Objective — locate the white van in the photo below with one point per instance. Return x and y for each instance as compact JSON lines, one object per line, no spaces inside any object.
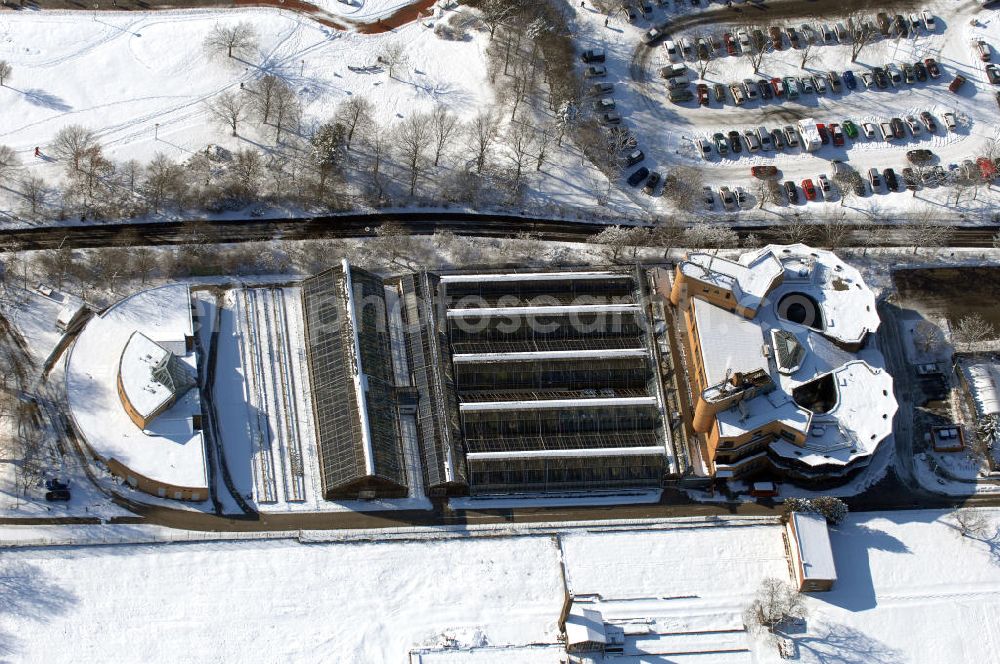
{"x":671,"y":48}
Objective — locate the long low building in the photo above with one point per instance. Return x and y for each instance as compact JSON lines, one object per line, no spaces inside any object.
{"x":131,"y":383}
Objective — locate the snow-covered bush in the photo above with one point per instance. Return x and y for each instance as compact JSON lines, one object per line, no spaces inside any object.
{"x":834,"y":510}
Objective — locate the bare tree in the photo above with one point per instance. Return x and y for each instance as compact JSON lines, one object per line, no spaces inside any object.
{"x":247,"y":171}
{"x":34,"y":190}
{"x":482,"y":133}
{"x":237,"y":38}
{"x":615,"y":241}
{"x":683,"y":186}
{"x":443,"y":123}
{"x":356,"y":115}
{"x":776,"y":602}
{"x":519,"y":143}
{"x":9,"y":161}
{"x":927,"y":337}
{"x":378,"y":147}
{"x":710,"y":236}
{"x":326,"y":154}
{"x":5,"y":71}
{"x":163,"y":181}
{"x":129,"y":172}
{"x":495,"y":13}
{"x":755,"y":56}
{"x":834,"y":232}
{"x":860,"y":33}
{"x":543,"y":140}
{"x":971,"y":522}
{"x":764,"y":193}
{"x":286,"y":110}
{"x":395,"y":57}
{"x":847,"y":179}
{"x":230,"y":108}
{"x":972,"y":330}
{"x":925,"y":231}
{"x":142,"y":262}
{"x":807,"y":55}
{"x":414,"y":136}
{"x":263,"y":95}
{"x":72,"y":142}
{"x":392,"y":244}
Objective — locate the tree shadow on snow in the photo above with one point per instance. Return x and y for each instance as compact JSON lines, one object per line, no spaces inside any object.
{"x":44,"y":99}
{"x":840,"y":644}
{"x":26,"y":594}
{"x":855,"y":589}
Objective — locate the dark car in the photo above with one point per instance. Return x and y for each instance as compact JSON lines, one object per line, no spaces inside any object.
{"x":735,"y":143}
{"x":55,"y":485}
{"x":702,"y":89}
{"x":602,"y":88}
{"x":891,"y":182}
{"x":957,"y":83}
{"x":910,"y":179}
{"x":765,"y":89}
{"x":791,"y":191}
{"x":836,"y":134}
{"x":593,"y":55}
{"x":720,"y":143}
{"x":720,"y":92}
{"x":898,"y":128}
{"x":637,"y":177}
{"x":881,"y":78}
{"x":824,"y":136}
{"x":778,"y":138}
{"x":595,"y":71}
{"x":634,"y":157}
{"x":933,"y":70}
{"x":835,"y":83}
{"x":928,"y":121}
{"x":919,"y":156}
{"x":993,"y":73}
{"x":849,"y":80}
{"x":651,"y":182}
{"x":921,"y":71}
{"x":57,"y":495}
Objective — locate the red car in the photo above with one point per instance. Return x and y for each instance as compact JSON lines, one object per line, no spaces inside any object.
{"x":824,"y":136}
{"x":932,"y":68}
{"x":957,"y":83}
{"x":727,"y":39}
{"x":836,"y":134}
{"x":703,"y":94}
{"x":764,"y":172}
{"x":779,"y":89}
{"x":809,"y":189}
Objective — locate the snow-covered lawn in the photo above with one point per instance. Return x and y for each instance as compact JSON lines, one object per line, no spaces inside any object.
{"x":909,"y":589}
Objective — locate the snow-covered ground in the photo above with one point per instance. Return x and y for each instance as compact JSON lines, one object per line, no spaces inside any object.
{"x":909,"y":589}
{"x":667,"y":131}
{"x":363,"y":11}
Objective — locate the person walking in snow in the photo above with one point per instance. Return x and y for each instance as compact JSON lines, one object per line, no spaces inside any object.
{"x":37,"y":152}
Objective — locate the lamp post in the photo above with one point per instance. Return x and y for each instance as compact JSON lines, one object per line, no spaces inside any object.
{"x":156,"y":131}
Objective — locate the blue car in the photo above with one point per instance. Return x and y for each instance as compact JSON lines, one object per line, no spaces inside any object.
{"x":849,"y":80}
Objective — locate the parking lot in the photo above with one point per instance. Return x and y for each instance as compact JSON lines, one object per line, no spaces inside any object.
{"x":808,"y":110}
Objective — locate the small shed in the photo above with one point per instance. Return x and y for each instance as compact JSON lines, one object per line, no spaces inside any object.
{"x":585,"y":630}
{"x":812,"y":555}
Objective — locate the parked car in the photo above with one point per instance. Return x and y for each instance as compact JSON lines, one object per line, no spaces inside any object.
{"x":809,"y":35}
{"x":708,"y":197}
{"x":702,"y":91}
{"x":764,"y":88}
{"x":993,"y":73}
{"x":742,"y":198}
{"x":753,"y":143}
{"x":604,"y":104}
{"x":791,"y":136}
{"x":778,"y":139}
{"x":677,"y":82}
{"x":809,"y":189}
{"x":949,"y":121}
{"x":764,"y":136}
{"x":778,"y":86}
{"x":911,"y":122}
{"x":721,"y":146}
{"x":727,"y":198}
{"x":870,"y":129}
{"x":593,"y":55}
{"x":737,"y":92}
{"x":891,"y":182}
{"x":637,"y":177}
{"x":774,"y":32}
{"x":595,"y":71}
{"x":895,"y":76}
{"x":868,"y":80}
{"x":651,"y":182}
{"x":929,"y":22}
{"x":764,"y":172}
{"x":881,"y":78}
{"x":750,"y":89}
{"x":719,"y":92}
{"x":836,"y":135}
{"x":909,"y":73}
{"x":819,"y":82}
{"x":835,"y":84}
{"x":887,"y":133}
{"x":675,"y":69}
{"x":687,"y":48}
{"x":982,"y":50}
{"x":654,"y":34}
{"x":919,"y":156}
{"x":957,"y":83}
{"x":791,"y":192}
{"x":735,"y":143}
{"x":729,"y":43}
{"x":850,"y":128}
{"x":824,"y":185}
{"x":634,"y":157}
{"x":610,"y":118}
{"x":57,"y":495}
{"x":998,"y":99}
{"x":680,"y":94}
{"x":702,"y":49}
{"x":672,"y":51}
{"x":875,"y":179}
{"x":602,"y":88}
{"x":743,"y":37}
{"x":842,"y":34}
{"x":791,"y":87}
{"x":793,"y":37}
{"x":933,"y":70}
{"x":920,"y":71}
{"x":898,"y":128}
{"x":704,"y":147}
{"x":849,"y":80}
{"x":910,"y":180}
{"x":829,"y":36}
{"x":824,"y":135}
{"x":806,"y":85}
{"x":928,"y":121}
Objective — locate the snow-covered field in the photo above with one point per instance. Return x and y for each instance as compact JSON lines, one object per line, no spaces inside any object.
{"x":909,"y":589}
{"x":667,"y":131}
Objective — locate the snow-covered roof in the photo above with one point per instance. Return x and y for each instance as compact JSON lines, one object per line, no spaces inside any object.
{"x":169,"y":450}
{"x":812,"y":546}
{"x":865,"y":404}
{"x":140,"y":355}
{"x":358,"y":372}
{"x":555,"y":309}
{"x":584,"y":625}
{"x":534,"y":276}
{"x":749,"y":280}
{"x":542,"y":404}
{"x":649,"y":450}
{"x":983,"y":381}
{"x":535,"y":356}
{"x":729,"y":342}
